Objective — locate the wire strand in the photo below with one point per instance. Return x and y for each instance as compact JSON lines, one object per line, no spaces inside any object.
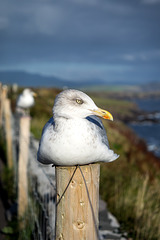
{"x":67,"y":186}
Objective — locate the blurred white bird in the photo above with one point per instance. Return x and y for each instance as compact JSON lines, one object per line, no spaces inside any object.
{"x":75,"y":135}
{"x":26,"y":99}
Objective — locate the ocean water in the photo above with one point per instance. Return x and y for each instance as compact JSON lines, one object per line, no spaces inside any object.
{"x":149,"y":104}
{"x":149,"y":131}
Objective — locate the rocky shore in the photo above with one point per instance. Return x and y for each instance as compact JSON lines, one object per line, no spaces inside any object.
{"x":140,"y":117}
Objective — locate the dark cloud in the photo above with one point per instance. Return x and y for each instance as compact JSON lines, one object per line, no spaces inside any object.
{"x":82,"y":38}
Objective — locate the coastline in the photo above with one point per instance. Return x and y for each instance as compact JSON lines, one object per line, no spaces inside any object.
{"x":146,"y":123}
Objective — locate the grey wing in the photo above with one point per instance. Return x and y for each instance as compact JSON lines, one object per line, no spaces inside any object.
{"x":18,"y":100}
{"x":49,"y":126}
{"x":49,"y":123}
{"x":99,"y":127}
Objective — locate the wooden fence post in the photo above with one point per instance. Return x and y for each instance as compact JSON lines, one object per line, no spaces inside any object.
{"x":22,"y":165}
{"x":8,"y":129}
{"x":3,"y":96}
{"x":74,"y":218}
{"x":0,"y":104}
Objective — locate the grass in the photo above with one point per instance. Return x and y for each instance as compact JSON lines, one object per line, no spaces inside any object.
{"x":111,"y":88}
{"x":134,"y":200}
{"x":118,"y":108}
{"x":130,"y":185}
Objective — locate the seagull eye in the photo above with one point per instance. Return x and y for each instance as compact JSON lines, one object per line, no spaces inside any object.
{"x":79,"y":101}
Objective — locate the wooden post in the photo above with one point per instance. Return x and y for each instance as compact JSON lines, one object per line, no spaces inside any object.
{"x":3,"y":96}
{"x":8,"y":129}
{"x":22,"y":165}
{"x":0,"y":104}
{"x":74,"y":218}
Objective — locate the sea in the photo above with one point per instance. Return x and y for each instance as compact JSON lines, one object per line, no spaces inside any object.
{"x":148,"y":130}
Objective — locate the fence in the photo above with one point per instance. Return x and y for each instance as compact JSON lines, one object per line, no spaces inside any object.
{"x":36,"y":184}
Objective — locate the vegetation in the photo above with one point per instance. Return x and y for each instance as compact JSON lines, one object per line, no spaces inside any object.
{"x":8,"y":191}
{"x":2,"y":146}
{"x":130,"y":185}
{"x":120,"y":109}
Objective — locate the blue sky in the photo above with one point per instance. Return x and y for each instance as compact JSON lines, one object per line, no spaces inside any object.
{"x":111,"y":40}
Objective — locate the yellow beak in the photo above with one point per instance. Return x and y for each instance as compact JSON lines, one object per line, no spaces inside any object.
{"x":103,"y":113}
{"x":34,"y":94}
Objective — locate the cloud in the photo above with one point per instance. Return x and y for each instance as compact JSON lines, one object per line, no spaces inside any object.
{"x":32,"y":18}
{"x":150,"y":55}
{"x":35,"y":35}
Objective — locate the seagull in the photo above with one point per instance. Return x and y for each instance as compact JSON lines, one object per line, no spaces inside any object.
{"x":26,"y":99}
{"x":75,"y":134}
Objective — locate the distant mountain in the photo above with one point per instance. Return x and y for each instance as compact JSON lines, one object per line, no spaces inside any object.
{"x":26,"y":79}
{"x":37,"y":80}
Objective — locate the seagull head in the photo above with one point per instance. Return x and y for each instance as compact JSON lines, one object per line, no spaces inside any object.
{"x":72,"y":103}
{"x":28,"y":91}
